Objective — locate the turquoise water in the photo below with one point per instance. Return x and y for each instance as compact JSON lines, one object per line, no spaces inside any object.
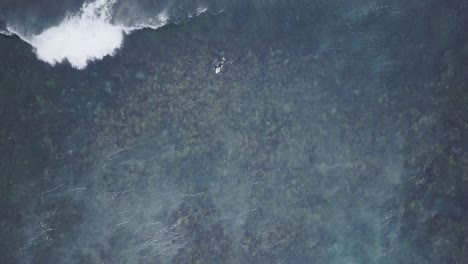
{"x":336,"y":132}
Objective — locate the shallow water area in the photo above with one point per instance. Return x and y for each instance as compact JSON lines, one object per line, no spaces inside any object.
{"x":335,"y":132}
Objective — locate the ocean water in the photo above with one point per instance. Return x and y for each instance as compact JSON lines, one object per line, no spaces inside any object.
{"x":334,"y":131}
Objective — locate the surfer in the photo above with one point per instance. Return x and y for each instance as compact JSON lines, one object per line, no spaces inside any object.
{"x":219,"y":65}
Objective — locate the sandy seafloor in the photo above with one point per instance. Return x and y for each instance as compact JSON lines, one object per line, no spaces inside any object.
{"x":337,"y":132}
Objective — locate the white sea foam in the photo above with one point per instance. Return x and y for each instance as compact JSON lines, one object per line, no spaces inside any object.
{"x":81,"y":37}
{"x":154,"y":23}
{"x":88,"y":35}
{"x":200,"y":10}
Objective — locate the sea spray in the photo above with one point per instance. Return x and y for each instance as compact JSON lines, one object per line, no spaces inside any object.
{"x":89,"y":34}
{"x":80,"y":38}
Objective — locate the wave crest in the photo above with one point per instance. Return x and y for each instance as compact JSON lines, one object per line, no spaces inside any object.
{"x":88,"y":35}
{"x":81,"y":37}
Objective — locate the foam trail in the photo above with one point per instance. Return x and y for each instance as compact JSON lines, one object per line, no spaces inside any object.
{"x":5,"y":32}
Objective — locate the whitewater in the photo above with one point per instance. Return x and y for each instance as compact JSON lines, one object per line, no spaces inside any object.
{"x":87,"y":35}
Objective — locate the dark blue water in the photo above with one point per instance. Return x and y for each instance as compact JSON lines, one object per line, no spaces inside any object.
{"x":335,"y":132}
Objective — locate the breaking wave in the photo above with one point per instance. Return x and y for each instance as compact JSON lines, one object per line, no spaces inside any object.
{"x":93,"y":32}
